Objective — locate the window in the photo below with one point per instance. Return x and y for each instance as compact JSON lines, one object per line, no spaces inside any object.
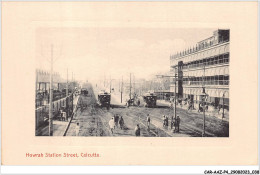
{"x":216,"y":60}
{"x":226,"y":80}
{"x":221,"y":79}
{"x":204,"y":61}
{"x":200,"y":80}
{"x":197,"y":63}
{"x":208,"y":61}
{"x":216,"y":82}
{"x":197,"y":80}
{"x":220,"y":60}
{"x":200,"y":63}
{"x":226,"y":58}
{"x":211,"y":60}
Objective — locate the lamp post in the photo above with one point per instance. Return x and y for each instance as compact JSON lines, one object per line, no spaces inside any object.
{"x":51,"y":96}
{"x":223,"y":114}
{"x":122,"y":90}
{"x":175,"y":97}
{"x":110,"y":84}
{"x":204,"y":98}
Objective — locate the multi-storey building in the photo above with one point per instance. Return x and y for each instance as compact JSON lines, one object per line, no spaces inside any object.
{"x":204,"y":66}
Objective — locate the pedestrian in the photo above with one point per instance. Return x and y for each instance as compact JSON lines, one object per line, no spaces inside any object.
{"x":172,"y":122}
{"x":128,"y":103}
{"x":64,"y":115}
{"x":121,"y":122}
{"x":137,"y":130}
{"x":116,"y":117}
{"x":172,"y":105}
{"x":148,"y":119}
{"x":138,"y":102}
{"x":178,"y":120}
{"x":112,"y":124}
{"x":77,"y":129}
{"x":60,"y":113}
{"x":166,"y":121}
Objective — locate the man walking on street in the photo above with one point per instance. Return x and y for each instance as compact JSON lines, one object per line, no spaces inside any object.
{"x":112,"y":124}
{"x":121,"y":122}
{"x":166,"y":121}
{"x":178,"y":120}
{"x":137,"y":130}
{"x":148,"y":119}
{"x":77,"y":129}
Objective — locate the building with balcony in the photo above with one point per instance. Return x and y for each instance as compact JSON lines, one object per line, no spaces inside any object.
{"x":204,"y":65}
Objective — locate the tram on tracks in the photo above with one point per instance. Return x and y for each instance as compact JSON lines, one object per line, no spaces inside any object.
{"x":104,"y":99}
{"x":150,"y":99}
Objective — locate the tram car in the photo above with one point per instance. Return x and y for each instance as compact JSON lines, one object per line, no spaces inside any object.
{"x":104,"y":99}
{"x":84,"y":92}
{"x":150,"y":100}
{"x":64,"y":91}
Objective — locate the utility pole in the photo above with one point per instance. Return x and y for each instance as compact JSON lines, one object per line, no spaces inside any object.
{"x":119,"y":85}
{"x":122,"y":90}
{"x":67,"y":85}
{"x":175,"y":97}
{"x":51,"y":92}
{"x":134,"y":83}
{"x":67,"y":94}
{"x":203,"y":101}
{"x":223,"y":106}
{"x":104,"y":80}
{"x":36,"y":87}
{"x":110,"y":84}
{"x":130,"y":85}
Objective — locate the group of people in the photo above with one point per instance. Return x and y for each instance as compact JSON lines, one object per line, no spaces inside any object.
{"x":201,"y":106}
{"x":115,"y":121}
{"x":63,"y":114}
{"x":165,"y":121}
{"x":174,"y":122}
{"x":133,"y":101}
{"x":118,"y":121}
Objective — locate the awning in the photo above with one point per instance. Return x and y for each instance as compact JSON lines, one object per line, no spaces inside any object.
{"x":191,"y":73}
{"x":209,"y":72}
{"x":223,"y":71}
{"x":186,"y":73}
{"x":225,"y":92}
{"x":226,"y":48}
{"x":206,"y":54}
{"x":221,"y":49}
{"x":210,"y":53}
{"x":215,"y":51}
{"x":194,"y":57}
{"x":226,"y":71}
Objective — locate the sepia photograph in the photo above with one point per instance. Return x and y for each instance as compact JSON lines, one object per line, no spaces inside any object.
{"x":129,"y":84}
{"x":132,"y":82}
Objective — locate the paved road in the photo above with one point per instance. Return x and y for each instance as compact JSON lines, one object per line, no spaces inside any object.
{"x":94,"y":122}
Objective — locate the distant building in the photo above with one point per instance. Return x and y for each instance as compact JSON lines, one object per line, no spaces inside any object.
{"x":204,"y":65}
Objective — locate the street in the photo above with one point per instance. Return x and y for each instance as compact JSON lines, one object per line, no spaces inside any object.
{"x":93,"y":121}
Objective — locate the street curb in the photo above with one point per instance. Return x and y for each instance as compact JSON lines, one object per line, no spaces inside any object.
{"x":70,"y":120}
{"x":68,"y":125}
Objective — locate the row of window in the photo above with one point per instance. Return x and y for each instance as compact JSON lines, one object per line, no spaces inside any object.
{"x":207,"y":80}
{"x":220,"y":59}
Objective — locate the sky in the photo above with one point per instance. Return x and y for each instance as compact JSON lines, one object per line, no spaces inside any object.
{"x":92,"y":53}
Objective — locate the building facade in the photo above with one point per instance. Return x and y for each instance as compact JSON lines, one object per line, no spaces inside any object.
{"x":205,"y":65}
